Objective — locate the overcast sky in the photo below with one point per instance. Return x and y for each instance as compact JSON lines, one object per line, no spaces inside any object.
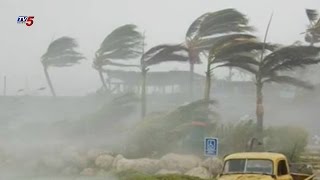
{"x":89,"y":21}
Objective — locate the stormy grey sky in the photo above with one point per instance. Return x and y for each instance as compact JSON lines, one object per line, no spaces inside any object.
{"x":89,"y":21}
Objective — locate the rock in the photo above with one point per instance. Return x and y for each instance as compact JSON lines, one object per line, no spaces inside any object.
{"x":104,"y":161}
{"x":164,"y":172}
{"x":94,"y":153}
{"x":178,"y":162}
{"x":115,"y":161}
{"x":144,"y":165}
{"x":88,"y":172}
{"x":215,"y":163}
{"x":199,"y":172}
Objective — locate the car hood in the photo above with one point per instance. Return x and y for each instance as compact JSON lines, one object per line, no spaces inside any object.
{"x":245,"y":177}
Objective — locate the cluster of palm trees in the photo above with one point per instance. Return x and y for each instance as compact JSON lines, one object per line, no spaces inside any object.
{"x":224,"y":38}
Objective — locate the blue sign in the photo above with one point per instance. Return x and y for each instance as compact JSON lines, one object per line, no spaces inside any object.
{"x":211,"y":146}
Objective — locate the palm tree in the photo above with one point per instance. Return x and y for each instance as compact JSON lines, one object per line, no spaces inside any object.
{"x":219,"y":43}
{"x":200,"y":35}
{"x":313,"y":32}
{"x":60,"y":53}
{"x":157,"y":55}
{"x":273,"y":65}
{"x":124,"y":43}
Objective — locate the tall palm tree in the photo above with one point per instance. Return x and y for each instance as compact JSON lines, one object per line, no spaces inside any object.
{"x":124,"y":43}
{"x":200,"y":34}
{"x":219,"y":44}
{"x":60,"y":53}
{"x":157,"y":55}
{"x":274,"y":65}
{"x":313,"y":31}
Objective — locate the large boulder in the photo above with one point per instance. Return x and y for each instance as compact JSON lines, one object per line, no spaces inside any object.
{"x":104,"y":161}
{"x":178,"y":162}
{"x":199,"y":172}
{"x":165,"y":172}
{"x":115,"y":161}
{"x":92,"y":154}
{"x":214,"y":165}
{"x":144,"y":165}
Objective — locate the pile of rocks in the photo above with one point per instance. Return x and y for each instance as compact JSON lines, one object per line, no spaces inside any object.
{"x":101,"y":163}
{"x":168,"y":164}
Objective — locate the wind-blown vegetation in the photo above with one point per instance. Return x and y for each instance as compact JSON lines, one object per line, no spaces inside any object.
{"x":60,"y":53}
{"x":272,"y":67}
{"x":312,"y":35}
{"x":224,"y":37}
{"x":124,"y":43}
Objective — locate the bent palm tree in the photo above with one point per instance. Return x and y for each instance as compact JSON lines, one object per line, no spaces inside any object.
{"x":272,"y":66}
{"x":201,"y":33}
{"x":124,"y":43}
{"x":60,"y":53}
{"x":313,"y":32}
{"x":157,"y":55}
{"x":219,"y":45}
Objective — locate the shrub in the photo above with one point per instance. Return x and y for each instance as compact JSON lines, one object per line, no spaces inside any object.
{"x":166,"y":132}
{"x":288,"y":140}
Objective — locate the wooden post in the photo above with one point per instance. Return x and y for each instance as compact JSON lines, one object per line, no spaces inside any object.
{"x":4,"y":86}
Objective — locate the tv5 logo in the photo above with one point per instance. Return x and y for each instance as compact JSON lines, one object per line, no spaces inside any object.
{"x":28,"y":20}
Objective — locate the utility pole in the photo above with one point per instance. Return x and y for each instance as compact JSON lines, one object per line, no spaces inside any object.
{"x":4,"y":86}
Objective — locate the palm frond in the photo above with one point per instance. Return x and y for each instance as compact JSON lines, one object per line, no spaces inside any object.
{"x":224,"y":21}
{"x":312,"y":14}
{"x":243,"y":58}
{"x":60,"y":45}
{"x":165,"y":53}
{"x":290,"y":80}
{"x":61,"y":52}
{"x":209,"y":43}
{"x":124,"y":42}
{"x":247,"y":67}
{"x":290,"y":57}
{"x":195,"y":26}
{"x":63,"y":60}
{"x":243,"y":45}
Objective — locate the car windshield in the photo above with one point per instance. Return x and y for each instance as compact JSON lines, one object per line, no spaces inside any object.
{"x":258,"y":166}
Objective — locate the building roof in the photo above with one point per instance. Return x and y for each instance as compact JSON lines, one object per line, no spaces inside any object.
{"x":154,"y":78}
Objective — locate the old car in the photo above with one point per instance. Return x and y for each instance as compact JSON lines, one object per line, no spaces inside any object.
{"x":259,"y":165}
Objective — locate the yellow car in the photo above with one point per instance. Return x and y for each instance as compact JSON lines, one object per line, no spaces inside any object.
{"x":259,"y":166}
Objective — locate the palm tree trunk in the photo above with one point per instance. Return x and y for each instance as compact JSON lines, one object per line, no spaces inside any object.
{"x":49,"y":81}
{"x":259,"y":109}
{"x":102,"y":79}
{"x":191,"y":80}
{"x":143,"y":94}
{"x":208,"y":84}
